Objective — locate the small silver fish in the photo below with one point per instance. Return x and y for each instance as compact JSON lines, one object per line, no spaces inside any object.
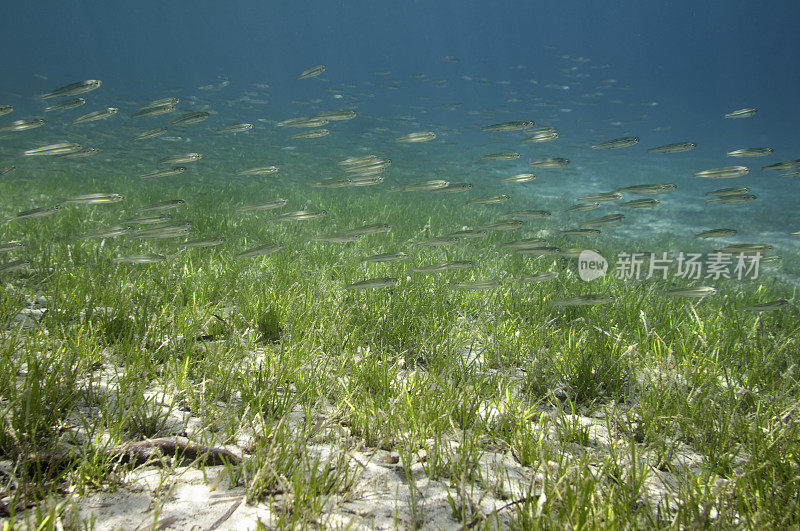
{"x":519,"y":178}
{"x":139,"y":259}
{"x":516,"y":125}
{"x":366,"y":181}
{"x":160,"y":103}
{"x":7,"y":247}
{"x":150,"y":133}
{"x":438,"y":242}
{"x":263,"y":205}
{"x":183,"y":158}
{"x":502,"y":225}
{"x":163,"y":205}
{"x":313,"y":133}
{"x":334,"y":182}
{"x":344,"y":114}
{"x":424,"y":136}
{"x":235,"y":128}
{"x":732,"y":199}
{"x":156,"y":110}
{"x":61,"y":148}
{"x":477,"y":285}
{"x":301,"y":215}
{"x":175,"y":170}
{"x":374,"y":283}
{"x":65,"y":105}
{"x":314,"y":71}
{"x":677,"y":147}
{"x":81,"y":153}
{"x":602,"y":196}
{"x":617,"y":143}
{"x":741,"y":113}
{"x":190,"y":118}
{"x":726,"y":172}
{"x":604,"y":221}
{"x":641,"y":203}
{"x":538,"y":250}
{"x":767,"y":306}
{"x":786,"y":165}
{"x":648,"y":189}
{"x":94,"y":199}
{"x":302,"y":121}
{"x":96,"y":115}
{"x":751,"y":152}
{"x":147,"y":220}
{"x":736,"y":190}
{"x":375,"y":228}
{"x":550,"y":162}
{"x":540,"y":277}
{"x":580,"y":232}
{"x":545,"y":136}
{"x":110,"y":232}
{"x":174,"y":230}
{"x":37,"y":212}
{"x":425,"y":186}
{"x":386,"y":257}
{"x":264,"y":170}
{"x":16,"y":265}
{"x":506,"y":155}
{"x":695,"y":293}
{"x":716,"y":233}
{"x":454,"y":188}
{"x":490,"y":200}
{"x":524,"y":244}
{"x":74,"y":89}
{"x":22,"y":125}
{"x":583,"y":300}
{"x":201,"y":244}
{"x":584,"y":207}
{"x":530,"y":214}
{"x":746,"y":248}
{"x":444,"y":266}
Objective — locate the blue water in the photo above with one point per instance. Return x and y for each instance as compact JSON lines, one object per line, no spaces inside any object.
{"x":681,"y":53}
{"x":663,"y":71}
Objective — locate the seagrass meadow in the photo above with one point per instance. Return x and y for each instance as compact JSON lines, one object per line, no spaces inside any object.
{"x":417,"y":289}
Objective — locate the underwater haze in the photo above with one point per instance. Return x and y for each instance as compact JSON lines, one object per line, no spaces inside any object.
{"x":580,"y":73}
{"x":393,"y":264}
